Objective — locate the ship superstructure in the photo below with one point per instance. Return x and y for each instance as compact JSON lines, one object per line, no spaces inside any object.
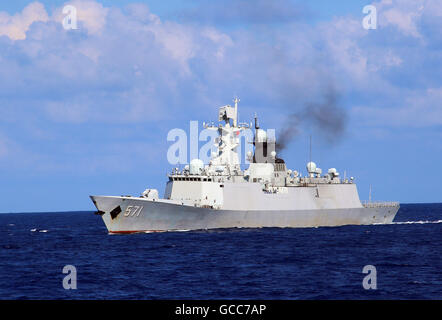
{"x":220,"y":194}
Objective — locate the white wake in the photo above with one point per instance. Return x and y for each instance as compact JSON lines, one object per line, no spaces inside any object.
{"x":416,"y":222}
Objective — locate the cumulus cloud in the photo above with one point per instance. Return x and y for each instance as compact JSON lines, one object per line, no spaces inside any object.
{"x":404,"y":17}
{"x":129,"y":66}
{"x":15,"y":26}
{"x":90,"y":14}
{"x":417,"y":110}
{"x":118,"y":66}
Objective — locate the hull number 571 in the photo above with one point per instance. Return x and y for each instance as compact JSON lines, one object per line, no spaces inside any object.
{"x":133,"y":211}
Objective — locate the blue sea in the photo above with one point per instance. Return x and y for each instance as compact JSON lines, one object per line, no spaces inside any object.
{"x":267,"y":263}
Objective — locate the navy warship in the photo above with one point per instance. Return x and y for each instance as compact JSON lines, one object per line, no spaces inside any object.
{"x":220,"y":194}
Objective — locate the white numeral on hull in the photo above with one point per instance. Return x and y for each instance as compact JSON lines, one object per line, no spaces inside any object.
{"x":133,"y":211}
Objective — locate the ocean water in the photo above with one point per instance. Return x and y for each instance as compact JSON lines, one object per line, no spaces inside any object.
{"x":267,"y":263}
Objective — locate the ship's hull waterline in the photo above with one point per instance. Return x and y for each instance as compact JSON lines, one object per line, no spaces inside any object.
{"x":132,"y":215}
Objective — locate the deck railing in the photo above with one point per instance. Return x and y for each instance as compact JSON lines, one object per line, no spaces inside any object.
{"x":381,"y":204}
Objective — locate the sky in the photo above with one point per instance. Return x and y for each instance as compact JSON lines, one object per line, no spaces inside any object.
{"x":87,"y":111}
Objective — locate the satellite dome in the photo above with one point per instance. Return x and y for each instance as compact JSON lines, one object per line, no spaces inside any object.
{"x":196,"y":166}
{"x":311,"y":167}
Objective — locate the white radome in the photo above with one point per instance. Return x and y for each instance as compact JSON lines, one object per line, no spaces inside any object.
{"x":150,"y":194}
{"x":196,"y":166}
{"x":311,"y":167}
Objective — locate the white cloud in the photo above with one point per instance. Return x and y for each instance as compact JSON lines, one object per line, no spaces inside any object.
{"x":419,"y":109}
{"x":126,"y":69}
{"x":90,"y":13}
{"x":403,"y":15}
{"x":341,"y":36}
{"x":118,"y":66}
{"x":128,"y":65}
{"x":15,"y":26}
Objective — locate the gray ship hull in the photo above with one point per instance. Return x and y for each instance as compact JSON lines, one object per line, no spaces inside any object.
{"x":131,"y":215}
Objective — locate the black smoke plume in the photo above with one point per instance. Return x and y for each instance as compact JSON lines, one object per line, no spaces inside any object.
{"x":327,"y":116}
